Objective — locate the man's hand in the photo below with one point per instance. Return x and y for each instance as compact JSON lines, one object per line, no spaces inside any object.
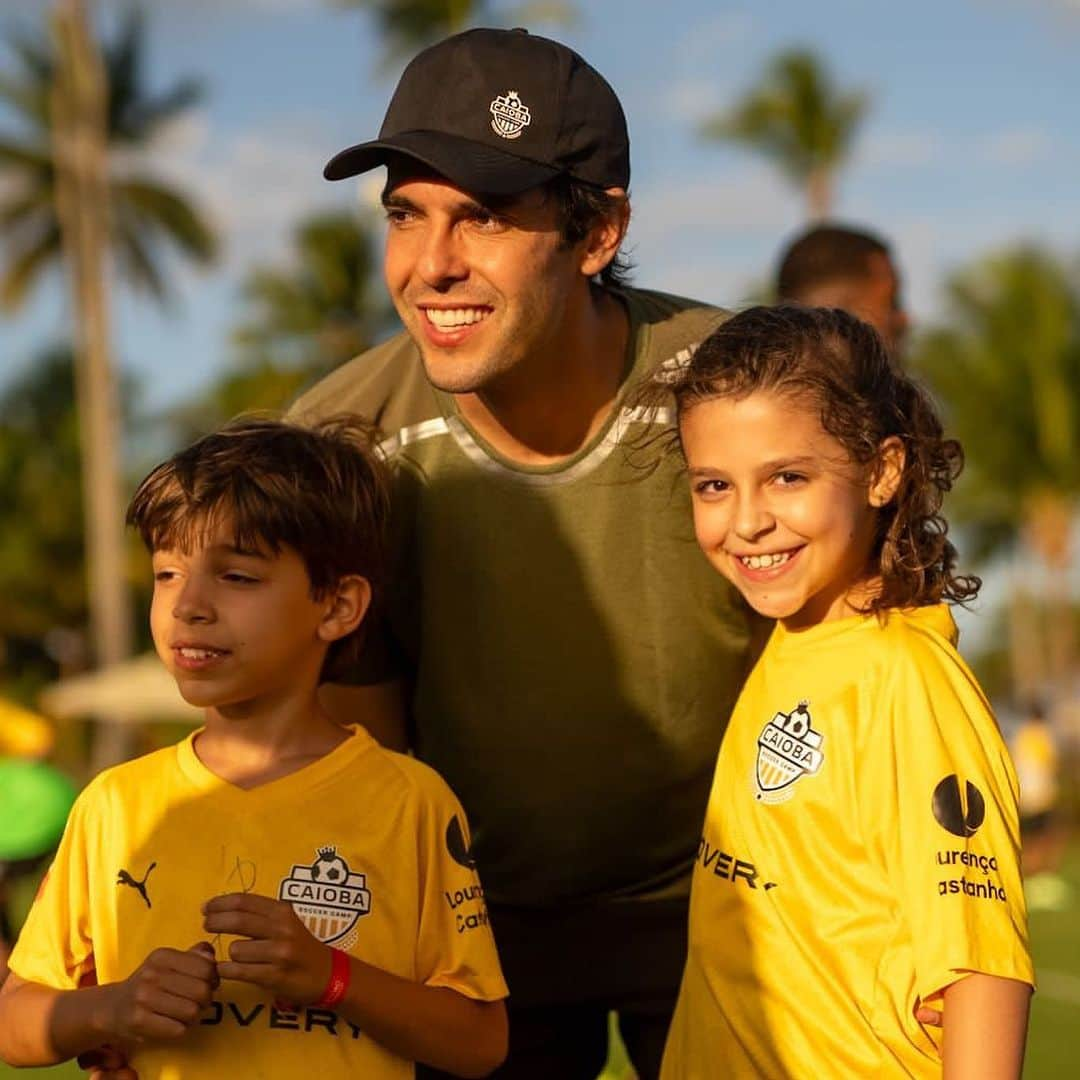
{"x":163,"y":998}
{"x":279,"y":954}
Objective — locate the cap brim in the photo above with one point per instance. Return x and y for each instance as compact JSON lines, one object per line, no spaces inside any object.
{"x":470,"y":165}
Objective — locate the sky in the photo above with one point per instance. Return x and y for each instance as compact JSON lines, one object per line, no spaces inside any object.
{"x":970,"y":144}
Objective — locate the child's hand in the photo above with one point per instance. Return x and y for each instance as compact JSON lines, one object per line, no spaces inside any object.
{"x":280,"y":955}
{"x":164,"y":996}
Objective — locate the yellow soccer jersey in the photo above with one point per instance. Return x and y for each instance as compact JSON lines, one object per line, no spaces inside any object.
{"x":370,"y":847}
{"x":860,"y":853}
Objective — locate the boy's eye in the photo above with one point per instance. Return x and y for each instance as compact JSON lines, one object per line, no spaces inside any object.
{"x":789,"y":478}
{"x":164,"y":575}
{"x":237,"y":578}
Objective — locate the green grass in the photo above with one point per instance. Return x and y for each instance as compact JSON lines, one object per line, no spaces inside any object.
{"x":1053,"y":1047}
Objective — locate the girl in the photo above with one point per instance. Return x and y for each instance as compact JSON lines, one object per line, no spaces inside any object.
{"x":859,"y":860}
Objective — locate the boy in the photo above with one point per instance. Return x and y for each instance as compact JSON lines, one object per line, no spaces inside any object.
{"x":347,"y":929}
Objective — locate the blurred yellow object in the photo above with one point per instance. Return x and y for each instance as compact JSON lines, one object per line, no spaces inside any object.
{"x":23,"y":733}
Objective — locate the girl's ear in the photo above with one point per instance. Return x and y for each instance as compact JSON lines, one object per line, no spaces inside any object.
{"x":347,"y":605}
{"x":887,"y":472}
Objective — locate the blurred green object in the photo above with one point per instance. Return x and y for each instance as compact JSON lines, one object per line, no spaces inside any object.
{"x":34,"y":803}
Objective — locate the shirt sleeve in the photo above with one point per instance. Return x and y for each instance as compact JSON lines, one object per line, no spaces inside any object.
{"x":948,"y":830}
{"x":55,"y":946}
{"x":455,"y":946}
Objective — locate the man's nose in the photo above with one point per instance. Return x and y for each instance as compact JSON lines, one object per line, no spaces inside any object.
{"x":441,"y":259}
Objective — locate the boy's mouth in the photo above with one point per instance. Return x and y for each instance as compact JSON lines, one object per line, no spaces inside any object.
{"x":197,"y":657}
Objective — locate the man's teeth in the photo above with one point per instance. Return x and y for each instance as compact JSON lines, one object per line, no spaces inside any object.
{"x":763,"y":562}
{"x":448,"y":318}
{"x":200,"y":654}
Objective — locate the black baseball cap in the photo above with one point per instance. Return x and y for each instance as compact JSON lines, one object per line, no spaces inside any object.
{"x":497,"y":112}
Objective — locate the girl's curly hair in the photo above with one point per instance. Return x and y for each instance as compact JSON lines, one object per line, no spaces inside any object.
{"x":833,"y":360}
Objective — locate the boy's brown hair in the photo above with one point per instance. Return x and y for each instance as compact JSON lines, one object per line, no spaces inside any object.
{"x":839,"y":365}
{"x":320,"y":490}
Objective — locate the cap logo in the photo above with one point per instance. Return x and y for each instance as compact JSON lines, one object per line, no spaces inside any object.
{"x":508,"y":116}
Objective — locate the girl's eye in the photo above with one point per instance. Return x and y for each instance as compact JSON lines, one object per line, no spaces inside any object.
{"x":710,"y":487}
{"x":789,"y":478}
{"x":164,"y":575}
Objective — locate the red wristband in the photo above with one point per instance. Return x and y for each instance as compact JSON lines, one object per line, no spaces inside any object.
{"x":338,"y":982}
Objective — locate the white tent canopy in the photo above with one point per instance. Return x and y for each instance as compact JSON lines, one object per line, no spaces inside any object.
{"x":131,"y":692}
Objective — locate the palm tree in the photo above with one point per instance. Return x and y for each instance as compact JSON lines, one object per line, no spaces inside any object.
{"x":1007,"y":365}
{"x":301,"y":321}
{"x":74,"y":193}
{"x":146,"y":215}
{"x":799,"y":120}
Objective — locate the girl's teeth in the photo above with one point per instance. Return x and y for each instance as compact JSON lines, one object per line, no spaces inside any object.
{"x":448,"y":319}
{"x":763,"y":562}
{"x":198,"y":654}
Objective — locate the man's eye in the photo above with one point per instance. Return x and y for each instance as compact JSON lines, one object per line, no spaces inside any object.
{"x":396,"y":216}
{"x":488,"y":220}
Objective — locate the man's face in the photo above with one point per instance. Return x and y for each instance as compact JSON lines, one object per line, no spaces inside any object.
{"x":488,"y":295}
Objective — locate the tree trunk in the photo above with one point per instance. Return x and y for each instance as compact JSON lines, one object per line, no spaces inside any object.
{"x":79,"y":129}
{"x":819,"y":194}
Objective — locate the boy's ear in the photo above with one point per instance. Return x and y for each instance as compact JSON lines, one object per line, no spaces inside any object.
{"x":602,"y":243}
{"x":887,"y":472}
{"x":348,"y":603}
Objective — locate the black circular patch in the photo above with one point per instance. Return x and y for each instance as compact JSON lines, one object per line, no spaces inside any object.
{"x":949,"y":808}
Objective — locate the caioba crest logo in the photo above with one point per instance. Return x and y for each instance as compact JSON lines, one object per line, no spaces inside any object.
{"x":788,"y":749}
{"x":508,"y":116}
{"x":328,"y":898}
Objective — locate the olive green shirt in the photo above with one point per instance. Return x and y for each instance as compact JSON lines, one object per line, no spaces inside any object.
{"x":573,"y":656}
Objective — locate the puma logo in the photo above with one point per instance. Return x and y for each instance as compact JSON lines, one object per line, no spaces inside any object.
{"x":124,"y":878}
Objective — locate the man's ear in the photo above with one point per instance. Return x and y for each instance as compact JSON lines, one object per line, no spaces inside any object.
{"x":602,"y":243}
{"x":347,"y":604}
{"x":888,"y":472}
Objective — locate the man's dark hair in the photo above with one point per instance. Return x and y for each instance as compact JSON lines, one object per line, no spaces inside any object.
{"x":825,"y":253}
{"x":321,"y":491}
{"x":581,"y":207}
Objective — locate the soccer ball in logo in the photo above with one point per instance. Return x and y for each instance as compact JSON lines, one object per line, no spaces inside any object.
{"x":329,"y":867}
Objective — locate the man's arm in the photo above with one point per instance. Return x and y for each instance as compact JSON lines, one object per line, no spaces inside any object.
{"x":985,"y":1028}
{"x":433,"y":1025}
{"x":380,"y":707}
{"x":40,"y":1025}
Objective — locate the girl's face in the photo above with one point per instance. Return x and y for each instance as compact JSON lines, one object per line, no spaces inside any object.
{"x":780,"y":508}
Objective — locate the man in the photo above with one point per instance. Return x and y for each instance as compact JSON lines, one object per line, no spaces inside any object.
{"x":837,"y":266}
{"x":567,"y":658}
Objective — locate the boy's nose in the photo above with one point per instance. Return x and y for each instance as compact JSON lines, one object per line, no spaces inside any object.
{"x":192,"y":606}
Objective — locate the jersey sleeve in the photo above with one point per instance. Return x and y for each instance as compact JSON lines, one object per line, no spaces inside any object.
{"x":55,"y":946}
{"x":948,"y":828}
{"x":455,"y":946}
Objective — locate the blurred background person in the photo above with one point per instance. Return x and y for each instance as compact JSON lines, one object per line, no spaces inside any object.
{"x":835,"y":265}
{"x":1044,"y":832}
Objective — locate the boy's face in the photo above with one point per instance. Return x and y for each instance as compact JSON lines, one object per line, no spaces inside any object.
{"x":238,"y":629}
